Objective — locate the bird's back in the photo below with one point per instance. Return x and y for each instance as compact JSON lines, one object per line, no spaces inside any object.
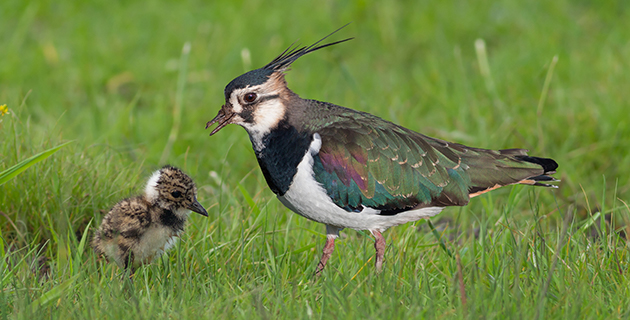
{"x":122,"y":228}
{"x":367,"y":161}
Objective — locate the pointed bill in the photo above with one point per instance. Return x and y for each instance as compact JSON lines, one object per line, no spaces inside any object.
{"x":197,"y":207}
{"x":223,"y":118}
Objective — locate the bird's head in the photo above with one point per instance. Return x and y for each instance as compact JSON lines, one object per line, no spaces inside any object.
{"x":172,"y":189}
{"x":257,"y":100}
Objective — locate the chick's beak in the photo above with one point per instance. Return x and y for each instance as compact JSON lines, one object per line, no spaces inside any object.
{"x":197,"y":207}
{"x":223,"y":118}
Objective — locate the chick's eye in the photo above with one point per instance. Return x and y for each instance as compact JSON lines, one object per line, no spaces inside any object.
{"x":176,"y":194}
{"x":250,"y":97}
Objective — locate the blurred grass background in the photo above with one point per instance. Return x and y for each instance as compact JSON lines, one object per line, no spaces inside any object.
{"x":112,"y":75}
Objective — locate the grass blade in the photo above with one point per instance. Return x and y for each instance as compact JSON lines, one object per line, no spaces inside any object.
{"x":10,"y":173}
{"x":53,"y":293}
{"x":179,"y":100}
{"x":439,"y":238}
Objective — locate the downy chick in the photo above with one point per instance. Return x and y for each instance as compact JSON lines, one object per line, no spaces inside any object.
{"x":139,"y":229}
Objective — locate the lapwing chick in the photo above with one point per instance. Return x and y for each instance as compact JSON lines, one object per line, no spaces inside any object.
{"x":139,"y":229}
{"x":350,"y":169}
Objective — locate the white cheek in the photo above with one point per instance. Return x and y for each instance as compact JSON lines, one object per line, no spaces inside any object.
{"x":268,"y":115}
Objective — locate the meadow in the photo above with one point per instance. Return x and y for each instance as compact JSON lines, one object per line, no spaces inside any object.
{"x":131,"y":86}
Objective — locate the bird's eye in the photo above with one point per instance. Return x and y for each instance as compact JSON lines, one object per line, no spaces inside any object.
{"x":250,"y":97}
{"x":176,"y":194}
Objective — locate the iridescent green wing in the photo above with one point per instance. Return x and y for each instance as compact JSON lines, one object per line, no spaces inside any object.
{"x":367,"y":161}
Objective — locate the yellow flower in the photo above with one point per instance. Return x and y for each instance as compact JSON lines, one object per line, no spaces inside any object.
{"x":3,"y":110}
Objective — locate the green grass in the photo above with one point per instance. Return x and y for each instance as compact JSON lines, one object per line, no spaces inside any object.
{"x":111,"y":76}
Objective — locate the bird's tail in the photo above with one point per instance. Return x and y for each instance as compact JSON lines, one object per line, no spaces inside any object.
{"x":548,"y":165}
{"x":511,"y":166}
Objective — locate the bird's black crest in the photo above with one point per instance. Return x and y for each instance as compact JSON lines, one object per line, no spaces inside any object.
{"x":279,"y":64}
{"x":292,"y":53}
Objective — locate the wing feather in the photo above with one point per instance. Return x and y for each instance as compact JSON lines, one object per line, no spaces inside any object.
{"x":367,"y":161}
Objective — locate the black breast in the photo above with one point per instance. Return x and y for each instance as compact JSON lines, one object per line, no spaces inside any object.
{"x":284,"y":149}
{"x":169,"y":219}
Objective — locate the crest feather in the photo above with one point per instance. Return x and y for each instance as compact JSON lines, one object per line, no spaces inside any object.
{"x":293,"y":52}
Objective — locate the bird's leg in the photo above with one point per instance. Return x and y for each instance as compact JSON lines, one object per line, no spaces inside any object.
{"x":331,"y":234}
{"x":329,"y":247}
{"x":379,"y":245}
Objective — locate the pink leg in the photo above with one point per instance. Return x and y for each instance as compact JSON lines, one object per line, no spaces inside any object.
{"x":329,"y":247}
{"x":379,"y":245}
{"x":331,"y":234}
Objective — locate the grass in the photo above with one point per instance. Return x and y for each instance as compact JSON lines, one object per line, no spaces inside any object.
{"x":114,"y":78}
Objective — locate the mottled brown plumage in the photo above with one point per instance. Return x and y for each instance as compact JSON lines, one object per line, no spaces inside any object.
{"x":139,"y":229}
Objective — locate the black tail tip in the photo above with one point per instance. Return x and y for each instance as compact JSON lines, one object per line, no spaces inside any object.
{"x":549,"y":165}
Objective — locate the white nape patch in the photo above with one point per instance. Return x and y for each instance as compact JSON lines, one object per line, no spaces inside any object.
{"x":151,"y":192}
{"x":308,"y":198}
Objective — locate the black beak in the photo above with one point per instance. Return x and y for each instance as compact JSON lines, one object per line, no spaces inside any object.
{"x":223,"y":118}
{"x":197,"y":207}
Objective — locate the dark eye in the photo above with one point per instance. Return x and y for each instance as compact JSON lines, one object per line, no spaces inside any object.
{"x":176,"y":194}
{"x":250,"y":97}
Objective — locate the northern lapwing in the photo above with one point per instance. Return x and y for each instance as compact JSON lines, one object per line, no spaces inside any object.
{"x":139,"y":229}
{"x":350,"y":169}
